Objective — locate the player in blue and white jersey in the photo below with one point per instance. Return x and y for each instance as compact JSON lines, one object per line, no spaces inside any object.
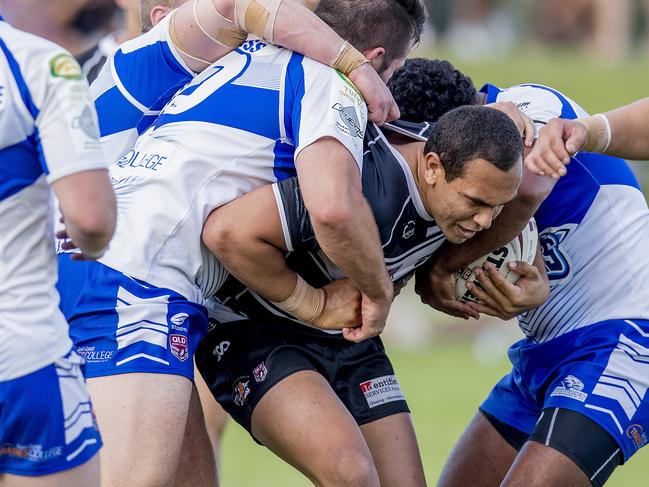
{"x":266,"y":368}
{"x":574,"y":406}
{"x":48,"y":141}
{"x":142,"y":76}
{"x":259,"y":115}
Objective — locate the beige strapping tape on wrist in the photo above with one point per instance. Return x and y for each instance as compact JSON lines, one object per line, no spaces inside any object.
{"x":599,"y":133}
{"x":306,"y":302}
{"x":257,"y":17}
{"x":348,"y":59}
{"x":218,"y":28}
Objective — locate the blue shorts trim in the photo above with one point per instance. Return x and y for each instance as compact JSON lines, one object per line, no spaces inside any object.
{"x":46,"y":420}
{"x":600,"y":371}
{"x":122,"y":325}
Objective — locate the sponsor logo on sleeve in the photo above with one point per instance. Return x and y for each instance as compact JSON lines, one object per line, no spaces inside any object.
{"x":178,"y":347}
{"x":349,"y":124}
{"x":571,"y":387}
{"x":86,"y":123}
{"x":637,"y":434}
{"x":381,"y":390}
{"x":241,"y":391}
{"x":65,"y":66}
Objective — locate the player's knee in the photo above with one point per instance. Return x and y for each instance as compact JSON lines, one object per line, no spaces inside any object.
{"x":352,"y":467}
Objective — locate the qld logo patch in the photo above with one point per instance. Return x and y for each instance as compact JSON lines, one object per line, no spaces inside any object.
{"x":382,"y":390}
{"x":178,"y":346}
{"x":571,"y":387}
{"x":260,"y":372}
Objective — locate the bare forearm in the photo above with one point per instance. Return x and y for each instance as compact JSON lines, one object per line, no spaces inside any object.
{"x":630,"y":130}
{"x":258,"y":265}
{"x":300,"y":30}
{"x":354,"y":246}
{"x":296,"y":28}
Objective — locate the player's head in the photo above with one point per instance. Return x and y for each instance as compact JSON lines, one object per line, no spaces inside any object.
{"x":384,"y":30}
{"x":472,"y":167}
{"x":425,"y":89}
{"x":153,"y":11}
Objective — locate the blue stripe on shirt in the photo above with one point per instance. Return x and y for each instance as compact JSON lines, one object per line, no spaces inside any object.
{"x":20,"y":81}
{"x":115,"y":112}
{"x":293,"y":95}
{"x":151,"y":74}
{"x":19,"y":167}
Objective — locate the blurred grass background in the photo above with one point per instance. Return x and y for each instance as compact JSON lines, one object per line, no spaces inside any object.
{"x":453,"y":365}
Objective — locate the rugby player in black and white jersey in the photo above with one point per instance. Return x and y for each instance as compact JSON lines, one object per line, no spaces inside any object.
{"x":330,"y":407}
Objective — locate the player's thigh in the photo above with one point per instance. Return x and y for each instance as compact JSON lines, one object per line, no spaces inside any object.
{"x":303,"y":421}
{"x":538,"y":465}
{"x":197,"y":464}
{"x":142,"y":419}
{"x":481,"y":457}
{"x":215,"y":417}
{"x":85,"y":475}
{"x":393,"y":444}
{"x":566,"y":449}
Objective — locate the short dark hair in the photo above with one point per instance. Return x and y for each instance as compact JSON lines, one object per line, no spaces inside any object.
{"x":475,"y":132}
{"x":425,"y":89}
{"x":366,"y":24}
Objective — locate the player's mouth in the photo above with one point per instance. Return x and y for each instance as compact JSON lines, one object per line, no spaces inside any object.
{"x":465,"y":233}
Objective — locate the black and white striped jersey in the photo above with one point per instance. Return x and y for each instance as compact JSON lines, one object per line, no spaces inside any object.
{"x":409,"y":235}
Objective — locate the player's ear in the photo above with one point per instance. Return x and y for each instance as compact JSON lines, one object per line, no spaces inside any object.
{"x":434,"y":170}
{"x":376,"y":56}
{"x":158,"y":13}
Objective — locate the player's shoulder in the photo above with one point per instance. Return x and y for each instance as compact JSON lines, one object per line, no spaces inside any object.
{"x":533,"y":97}
{"x":39,"y":62}
{"x":32,"y":51}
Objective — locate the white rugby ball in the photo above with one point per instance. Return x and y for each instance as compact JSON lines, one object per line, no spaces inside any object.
{"x":522,"y":248}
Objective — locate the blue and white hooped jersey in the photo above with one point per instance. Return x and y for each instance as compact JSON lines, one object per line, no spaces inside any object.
{"x":237,"y":126}
{"x":136,"y":82}
{"x":48,"y":130}
{"x":593,"y":229}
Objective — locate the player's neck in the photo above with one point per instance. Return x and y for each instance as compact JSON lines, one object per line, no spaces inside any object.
{"x":414,"y":155}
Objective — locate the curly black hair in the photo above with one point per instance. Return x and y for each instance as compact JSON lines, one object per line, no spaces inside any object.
{"x":425,"y":89}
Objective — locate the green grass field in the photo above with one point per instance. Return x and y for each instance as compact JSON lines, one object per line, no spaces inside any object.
{"x":444,"y":384}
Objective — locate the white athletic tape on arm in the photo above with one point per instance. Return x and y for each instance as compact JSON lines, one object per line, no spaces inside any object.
{"x":599,"y":133}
